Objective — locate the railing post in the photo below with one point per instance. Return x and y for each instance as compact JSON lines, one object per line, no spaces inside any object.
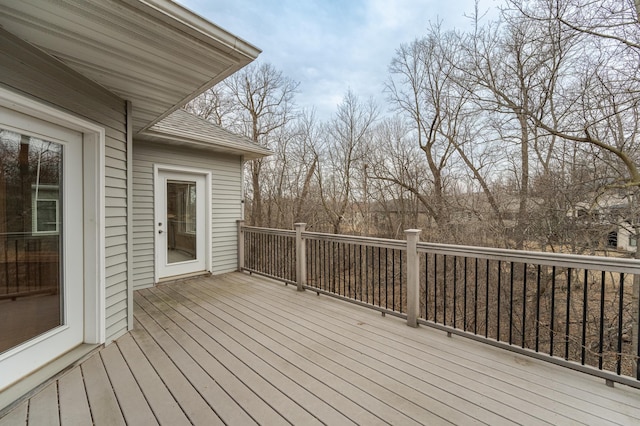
{"x":413,"y":277}
{"x":301,"y":257}
{"x":240,"y":224}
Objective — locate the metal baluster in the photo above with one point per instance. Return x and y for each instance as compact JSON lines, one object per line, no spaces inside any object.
{"x":511,"y":305}
{"x":333,"y":267}
{"x":379,"y":280}
{"x":444,"y":290}
{"x":486,"y":301}
{"x":553,"y":310}
{"x":524,"y":303}
{"x":584,"y":316}
{"x":435,"y":287}
{"x":393,"y":278}
{"x":638,"y":343}
{"x":620,"y":314}
{"x":426,"y":286}
{"x":401,"y":269}
{"x":360,"y":270}
{"x":349,"y":260}
{"x":344,"y":270}
{"x":366,"y":272}
{"x":568,"y":314}
{"x":499,"y":300}
{"x":465,"y":296}
{"x":386,"y":278}
{"x":455,"y":290}
{"x":601,"y":343}
{"x":475,"y":298}
{"x":538,"y":309}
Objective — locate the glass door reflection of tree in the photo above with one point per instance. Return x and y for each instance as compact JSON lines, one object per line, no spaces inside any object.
{"x":181,"y":221}
{"x":30,"y":243}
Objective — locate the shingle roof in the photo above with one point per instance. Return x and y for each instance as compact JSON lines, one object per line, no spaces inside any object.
{"x":183,"y":128}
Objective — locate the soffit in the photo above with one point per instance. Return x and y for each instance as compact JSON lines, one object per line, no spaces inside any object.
{"x":154,"y":53}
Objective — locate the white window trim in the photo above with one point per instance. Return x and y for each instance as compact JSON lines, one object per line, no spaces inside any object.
{"x":34,"y":202}
{"x":93,"y":139}
{"x":36,"y":209}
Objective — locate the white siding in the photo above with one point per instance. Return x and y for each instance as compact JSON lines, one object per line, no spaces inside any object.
{"x":226,"y":196}
{"x":27,"y":70}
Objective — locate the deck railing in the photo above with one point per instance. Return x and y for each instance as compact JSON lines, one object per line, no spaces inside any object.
{"x":580,"y":312}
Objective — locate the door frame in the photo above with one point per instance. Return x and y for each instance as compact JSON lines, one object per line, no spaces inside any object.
{"x":94,"y":233}
{"x":157,"y":208}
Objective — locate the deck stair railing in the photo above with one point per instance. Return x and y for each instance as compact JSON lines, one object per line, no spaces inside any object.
{"x":580,"y":312}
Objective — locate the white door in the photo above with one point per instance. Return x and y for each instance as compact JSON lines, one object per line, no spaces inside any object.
{"x":181,"y":228}
{"x":41,"y":243}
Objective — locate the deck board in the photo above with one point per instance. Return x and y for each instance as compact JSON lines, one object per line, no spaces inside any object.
{"x":134,"y":406}
{"x":515,"y":372}
{"x":269,"y":340}
{"x":318,"y":398}
{"x":102,"y":400}
{"x":373,"y":391}
{"x":238,"y":349}
{"x":400,"y":374}
{"x":245,"y":372}
{"x":72,"y":396}
{"x":432,"y":366}
{"x":17,"y":416}
{"x":202,"y":380}
{"x":43,"y":407}
{"x":170,"y":396}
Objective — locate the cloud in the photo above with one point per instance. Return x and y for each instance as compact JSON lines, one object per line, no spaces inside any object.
{"x":330,"y":46}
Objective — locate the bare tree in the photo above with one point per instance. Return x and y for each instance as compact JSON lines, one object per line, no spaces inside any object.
{"x":418,"y":88}
{"x":256,"y":101}
{"x":214,"y":105}
{"x":609,"y":34}
{"x":307,"y":155}
{"x":343,"y":157}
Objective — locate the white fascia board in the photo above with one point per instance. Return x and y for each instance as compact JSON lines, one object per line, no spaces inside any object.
{"x":249,"y":153}
{"x":196,"y":26}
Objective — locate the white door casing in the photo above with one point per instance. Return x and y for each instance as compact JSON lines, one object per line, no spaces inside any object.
{"x":168,"y":262}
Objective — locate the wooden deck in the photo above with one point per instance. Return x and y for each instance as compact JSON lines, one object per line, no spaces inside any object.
{"x":239,"y":350}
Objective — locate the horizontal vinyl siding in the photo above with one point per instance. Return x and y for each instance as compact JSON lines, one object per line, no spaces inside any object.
{"x":226,"y":209}
{"x":27,"y":70}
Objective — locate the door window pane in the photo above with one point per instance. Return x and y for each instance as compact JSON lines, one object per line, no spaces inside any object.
{"x":30,"y":237}
{"x":181,"y":221}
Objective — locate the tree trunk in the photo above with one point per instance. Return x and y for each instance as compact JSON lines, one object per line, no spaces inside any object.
{"x":305,"y":190}
{"x":256,"y":205}
{"x":522,"y":220}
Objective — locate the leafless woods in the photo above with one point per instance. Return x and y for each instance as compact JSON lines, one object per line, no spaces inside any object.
{"x":522,"y":133}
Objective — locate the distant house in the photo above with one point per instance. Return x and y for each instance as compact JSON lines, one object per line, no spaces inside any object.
{"x":617,"y":214}
{"x":105,"y":184}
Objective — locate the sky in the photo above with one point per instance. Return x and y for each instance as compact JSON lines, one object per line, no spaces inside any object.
{"x":331,"y":46}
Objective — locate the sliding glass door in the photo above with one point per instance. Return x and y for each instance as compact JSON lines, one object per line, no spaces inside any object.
{"x":41,"y":241}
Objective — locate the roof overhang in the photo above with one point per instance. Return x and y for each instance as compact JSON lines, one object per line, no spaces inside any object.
{"x":154,"y":53}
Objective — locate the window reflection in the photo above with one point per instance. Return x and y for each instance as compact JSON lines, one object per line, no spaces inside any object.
{"x":181,"y":218}
{"x":30,"y":243}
